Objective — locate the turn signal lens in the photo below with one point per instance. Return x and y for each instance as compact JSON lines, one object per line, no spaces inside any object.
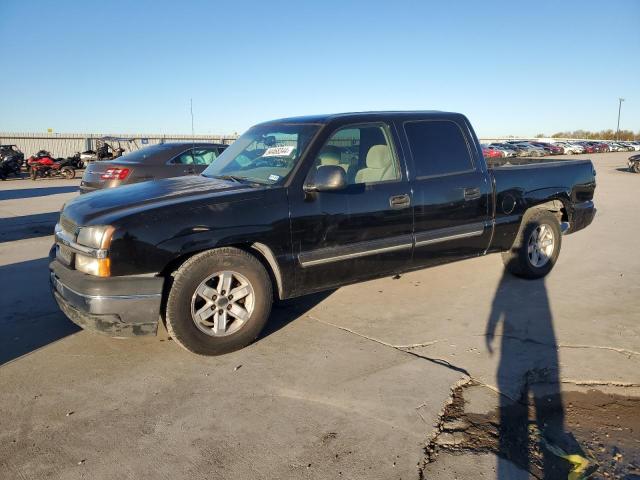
{"x":99,"y":267}
{"x":115,"y":174}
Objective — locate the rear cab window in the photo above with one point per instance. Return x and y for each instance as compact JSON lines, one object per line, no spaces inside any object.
{"x":438,"y":148}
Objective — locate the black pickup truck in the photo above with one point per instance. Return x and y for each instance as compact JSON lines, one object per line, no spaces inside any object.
{"x":300,"y":205}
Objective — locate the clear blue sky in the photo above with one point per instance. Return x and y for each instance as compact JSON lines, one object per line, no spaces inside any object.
{"x":131,"y":66}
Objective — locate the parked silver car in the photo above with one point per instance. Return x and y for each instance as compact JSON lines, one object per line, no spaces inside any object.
{"x":157,"y":161}
{"x":528,"y":150}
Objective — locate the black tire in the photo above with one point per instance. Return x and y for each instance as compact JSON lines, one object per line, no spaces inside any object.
{"x":68,"y":172}
{"x":180,"y":324}
{"x":635,"y":167}
{"x":518,"y":261}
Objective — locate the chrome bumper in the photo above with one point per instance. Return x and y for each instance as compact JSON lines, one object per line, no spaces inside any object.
{"x":113,"y":315}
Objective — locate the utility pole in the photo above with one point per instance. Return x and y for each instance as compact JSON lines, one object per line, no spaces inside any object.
{"x":620,"y":100}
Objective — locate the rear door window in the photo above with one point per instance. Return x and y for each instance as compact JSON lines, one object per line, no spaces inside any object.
{"x":204,"y":156}
{"x":185,"y":158}
{"x":438,"y":148}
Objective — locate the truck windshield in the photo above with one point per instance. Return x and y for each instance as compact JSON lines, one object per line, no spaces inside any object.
{"x":265,"y":154}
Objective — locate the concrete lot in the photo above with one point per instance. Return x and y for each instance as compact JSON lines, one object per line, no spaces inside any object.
{"x":349,"y":384}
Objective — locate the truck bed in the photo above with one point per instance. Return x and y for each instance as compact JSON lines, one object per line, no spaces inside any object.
{"x":511,"y":161}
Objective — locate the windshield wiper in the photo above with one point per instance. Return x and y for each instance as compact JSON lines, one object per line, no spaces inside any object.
{"x":231,"y":177}
{"x":237,"y":179}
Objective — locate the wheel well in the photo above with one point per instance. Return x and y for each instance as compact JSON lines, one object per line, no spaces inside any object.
{"x":554,"y":206}
{"x":261,"y":252}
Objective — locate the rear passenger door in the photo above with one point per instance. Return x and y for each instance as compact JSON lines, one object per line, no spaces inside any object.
{"x":363,"y":230}
{"x":451,"y":192}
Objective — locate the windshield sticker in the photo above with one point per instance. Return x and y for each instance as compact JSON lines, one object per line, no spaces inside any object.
{"x":274,"y":178}
{"x":278,"y":151}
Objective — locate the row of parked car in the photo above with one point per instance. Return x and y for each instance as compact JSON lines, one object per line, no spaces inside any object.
{"x":533,"y":148}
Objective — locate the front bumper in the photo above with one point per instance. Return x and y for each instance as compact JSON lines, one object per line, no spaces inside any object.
{"x":116,"y":306}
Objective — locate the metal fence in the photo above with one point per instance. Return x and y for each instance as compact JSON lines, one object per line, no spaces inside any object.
{"x":67,"y":144}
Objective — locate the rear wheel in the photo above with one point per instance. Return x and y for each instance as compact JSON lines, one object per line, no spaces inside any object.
{"x":68,"y":173}
{"x":219,"y":302}
{"x":537,"y":246}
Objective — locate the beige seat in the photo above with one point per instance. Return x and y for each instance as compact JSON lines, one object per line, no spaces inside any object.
{"x":330,"y":155}
{"x":380,"y":166}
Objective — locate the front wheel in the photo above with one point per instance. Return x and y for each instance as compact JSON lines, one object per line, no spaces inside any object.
{"x":635,"y":167}
{"x":219,"y":302}
{"x":537,"y":246}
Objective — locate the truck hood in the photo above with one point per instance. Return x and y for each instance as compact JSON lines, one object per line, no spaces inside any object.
{"x":102,"y":205}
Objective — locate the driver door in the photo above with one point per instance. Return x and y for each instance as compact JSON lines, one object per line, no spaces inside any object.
{"x":363,"y":230}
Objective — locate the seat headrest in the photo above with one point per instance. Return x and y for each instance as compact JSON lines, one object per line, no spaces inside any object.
{"x":378,"y":157}
{"x":330,"y":155}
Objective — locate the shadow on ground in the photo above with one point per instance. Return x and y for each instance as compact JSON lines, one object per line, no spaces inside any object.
{"x":529,"y":356}
{"x":29,"y":317}
{"x":287,"y":311}
{"x":28,"y":226}
{"x":36,"y":192}
{"x":524,"y":424}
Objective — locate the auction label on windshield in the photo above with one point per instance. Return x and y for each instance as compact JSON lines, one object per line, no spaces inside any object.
{"x":278,"y":151}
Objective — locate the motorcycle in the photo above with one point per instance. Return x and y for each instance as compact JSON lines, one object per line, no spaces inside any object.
{"x":12,"y":154}
{"x":8,"y":166}
{"x":75,"y":161}
{"x":45,"y":166}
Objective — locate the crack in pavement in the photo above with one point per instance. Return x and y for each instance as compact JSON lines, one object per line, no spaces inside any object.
{"x":438,"y":361}
{"x":600,"y":383}
{"x":444,"y":363}
{"x":623,"y":351}
{"x":432,"y":443}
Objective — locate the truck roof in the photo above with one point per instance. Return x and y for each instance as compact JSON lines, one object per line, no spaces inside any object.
{"x":356,"y":116}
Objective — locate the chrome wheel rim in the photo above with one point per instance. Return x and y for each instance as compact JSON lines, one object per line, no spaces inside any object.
{"x":222,"y":304}
{"x":541,"y":245}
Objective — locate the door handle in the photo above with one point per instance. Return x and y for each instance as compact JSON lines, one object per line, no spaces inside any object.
{"x":400,"y":201}
{"x":472,"y":193}
{"x":189,"y":171}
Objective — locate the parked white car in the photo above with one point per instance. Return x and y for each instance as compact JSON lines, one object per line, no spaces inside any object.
{"x":570,"y":148}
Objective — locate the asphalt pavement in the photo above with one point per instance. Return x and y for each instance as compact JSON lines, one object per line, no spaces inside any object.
{"x":355,"y":383}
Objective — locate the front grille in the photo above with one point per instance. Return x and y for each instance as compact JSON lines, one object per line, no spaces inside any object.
{"x":67,"y":225}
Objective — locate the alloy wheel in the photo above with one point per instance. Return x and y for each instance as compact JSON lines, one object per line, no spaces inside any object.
{"x":540,"y":246}
{"x":222,"y":303}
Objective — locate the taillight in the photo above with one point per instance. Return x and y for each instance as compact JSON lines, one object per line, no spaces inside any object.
{"x":115,"y":174}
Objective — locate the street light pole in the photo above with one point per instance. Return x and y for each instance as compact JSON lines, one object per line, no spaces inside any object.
{"x":620,"y":100}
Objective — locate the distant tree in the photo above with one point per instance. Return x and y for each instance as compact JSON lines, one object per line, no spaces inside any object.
{"x":540,"y":135}
{"x":609,"y":134}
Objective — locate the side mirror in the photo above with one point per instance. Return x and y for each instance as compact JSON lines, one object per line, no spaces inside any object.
{"x":326,"y":178}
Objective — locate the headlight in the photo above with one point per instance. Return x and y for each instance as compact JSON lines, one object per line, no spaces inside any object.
{"x":98,"y":239}
{"x":100,"y":267}
{"x":95,"y":237}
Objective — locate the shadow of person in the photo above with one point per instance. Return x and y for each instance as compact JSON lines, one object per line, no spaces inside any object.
{"x":528,"y":377}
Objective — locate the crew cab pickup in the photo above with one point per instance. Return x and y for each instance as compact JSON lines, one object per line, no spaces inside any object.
{"x":300,"y":205}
